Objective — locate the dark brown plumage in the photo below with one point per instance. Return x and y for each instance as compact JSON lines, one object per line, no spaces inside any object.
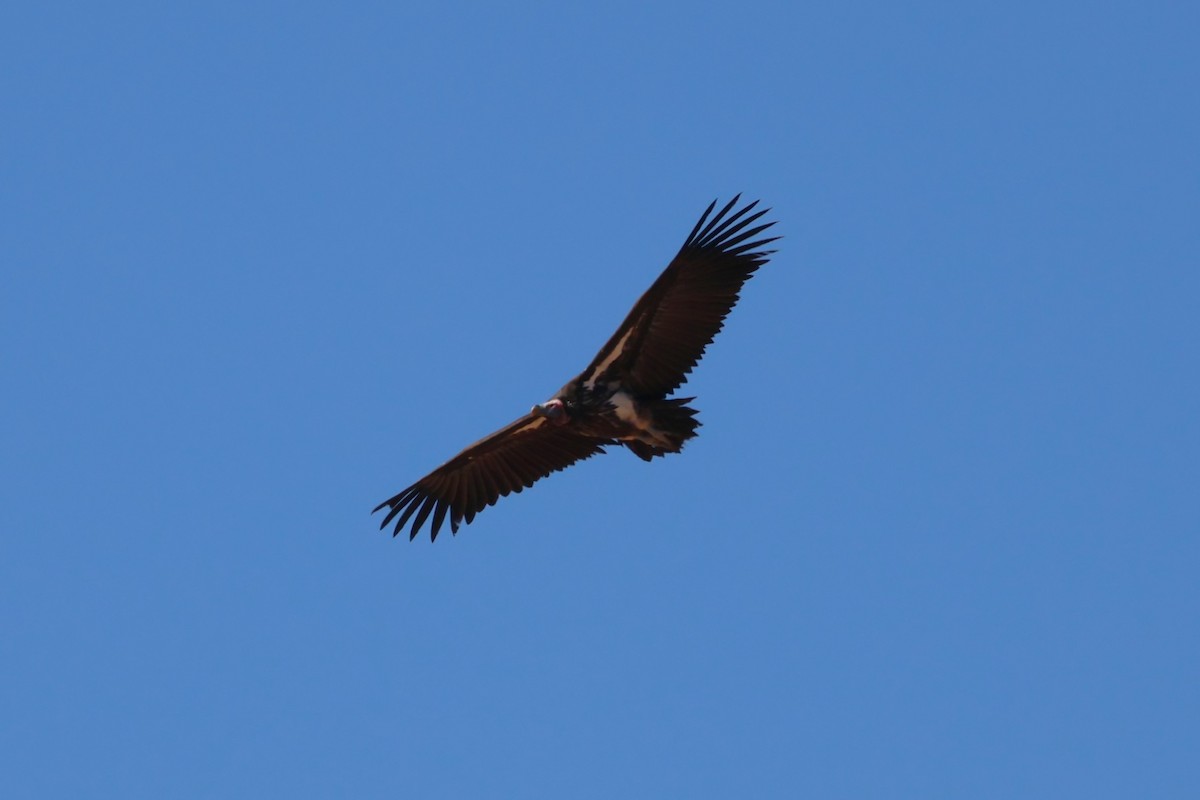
{"x":621,"y":398}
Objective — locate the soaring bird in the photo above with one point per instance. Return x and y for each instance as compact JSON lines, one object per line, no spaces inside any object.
{"x":622,"y":396}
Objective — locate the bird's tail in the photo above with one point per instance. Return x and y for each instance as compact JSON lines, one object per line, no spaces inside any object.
{"x":674,"y":423}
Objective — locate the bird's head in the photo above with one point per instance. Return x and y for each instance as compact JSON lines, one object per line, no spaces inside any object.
{"x":553,"y":410}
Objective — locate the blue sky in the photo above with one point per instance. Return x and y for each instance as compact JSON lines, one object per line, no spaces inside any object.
{"x":267,"y":264}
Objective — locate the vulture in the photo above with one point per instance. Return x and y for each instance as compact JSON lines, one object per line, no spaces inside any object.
{"x":622,"y":398}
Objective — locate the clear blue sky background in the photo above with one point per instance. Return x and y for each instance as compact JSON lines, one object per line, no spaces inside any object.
{"x":266,"y":264}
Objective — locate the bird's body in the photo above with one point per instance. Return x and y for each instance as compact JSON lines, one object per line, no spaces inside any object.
{"x":622,"y":398}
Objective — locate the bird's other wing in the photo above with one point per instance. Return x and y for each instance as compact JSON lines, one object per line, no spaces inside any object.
{"x":512,"y":458}
{"x":665,"y":334}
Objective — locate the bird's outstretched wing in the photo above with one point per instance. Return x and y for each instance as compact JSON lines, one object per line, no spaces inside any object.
{"x":665,"y":334}
{"x":512,"y":458}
